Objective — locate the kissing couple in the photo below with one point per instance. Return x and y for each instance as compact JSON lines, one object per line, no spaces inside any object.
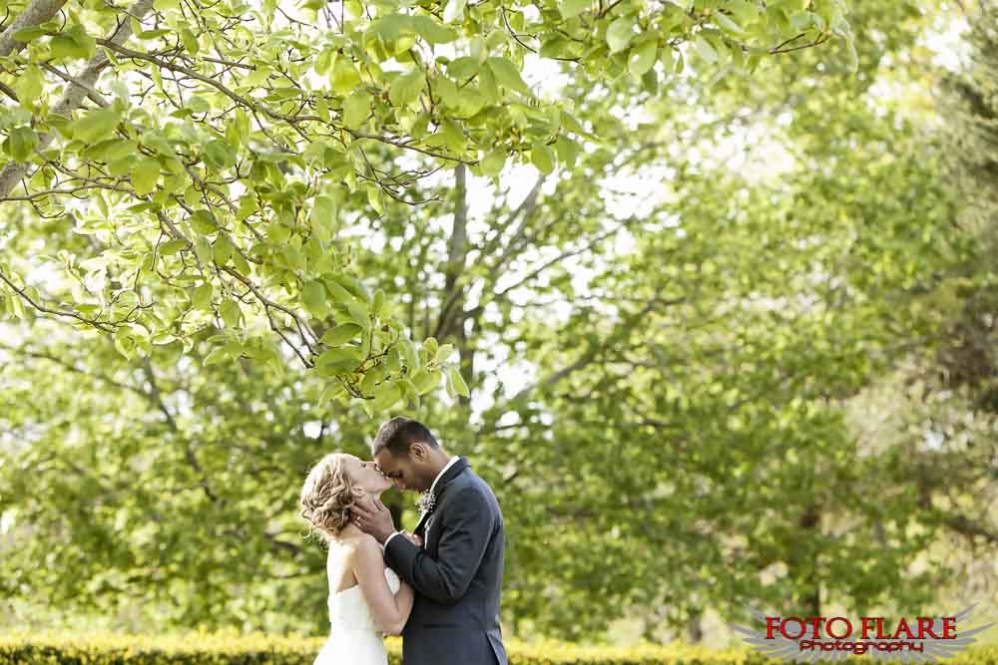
{"x":438,"y":587}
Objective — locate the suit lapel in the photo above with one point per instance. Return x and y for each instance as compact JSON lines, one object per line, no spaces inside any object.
{"x":453,"y":472}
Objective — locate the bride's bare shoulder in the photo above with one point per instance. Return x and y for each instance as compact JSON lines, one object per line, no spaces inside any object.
{"x":362,"y":544}
{"x":367,"y":545}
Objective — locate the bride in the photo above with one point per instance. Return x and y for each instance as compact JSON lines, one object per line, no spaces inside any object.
{"x":366,"y":599}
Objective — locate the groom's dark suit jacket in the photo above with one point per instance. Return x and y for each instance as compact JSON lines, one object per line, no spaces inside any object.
{"x":457,"y":575}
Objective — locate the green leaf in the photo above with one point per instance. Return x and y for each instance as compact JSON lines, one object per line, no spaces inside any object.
{"x":386,"y":395}
{"x":389,"y":27}
{"x":453,"y":136}
{"x":202,"y":249}
{"x":356,"y":108}
{"x":744,"y":11}
{"x":378,"y":303}
{"x":340,"y":295}
{"x":128,"y":344}
{"x":374,"y":197}
{"x":222,"y":250}
{"x":409,"y":393}
{"x":570,"y":8}
{"x":723,"y":21}
{"x":22,"y":143}
{"x":202,"y":222}
{"x":360,"y":314}
{"x":433,"y":32}
{"x":642,"y":57}
{"x":231,"y":313}
{"x":470,"y":102}
{"x":331,"y":392}
{"x":704,"y":48}
{"x":112,"y":150}
{"x":668,"y":58}
{"x":219,"y":154}
{"x":463,"y":68}
{"x":216,"y":357}
{"x":189,"y":40}
{"x":487,"y":84}
{"x":153,"y":34}
{"x":493,"y":163}
{"x":144,"y":174}
{"x":171,"y":247}
{"x":405,"y":89}
{"x":542,"y":157}
{"x":341,"y":359}
{"x":507,"y":74}
{"x":649,"y":82}
{"x":619,"y":34}
{"x":425,"y":380}
{"x":444,"y":353}
{"x":201,"y":296}
{"x":323,"y":218}
{"x":73,"y":43}
{"x":567,"y":149}
{"x":95,"y":124}
{"x":30,"y":33}
{"x":342,"y":334}
{"x":457,"y":383}
{"x":410,"y":354}
{"x":313,"y":295}
{"x":345,"y":77}
{"x":29,"y":85}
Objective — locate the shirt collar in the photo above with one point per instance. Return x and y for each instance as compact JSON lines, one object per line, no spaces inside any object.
{"x":453,"y":460}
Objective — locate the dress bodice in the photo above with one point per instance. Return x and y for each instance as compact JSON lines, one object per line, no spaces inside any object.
{"x":349,"y":611}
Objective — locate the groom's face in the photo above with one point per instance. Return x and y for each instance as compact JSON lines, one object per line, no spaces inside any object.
{"x":403,"y":470}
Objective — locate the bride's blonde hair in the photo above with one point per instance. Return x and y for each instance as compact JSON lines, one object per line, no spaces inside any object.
{"x":327,"y":495}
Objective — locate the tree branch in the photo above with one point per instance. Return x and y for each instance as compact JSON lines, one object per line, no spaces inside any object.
{"x":72,"y":96}
{"x":38,"y":12}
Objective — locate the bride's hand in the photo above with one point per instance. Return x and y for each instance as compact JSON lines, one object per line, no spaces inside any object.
{"x":414,"y":539}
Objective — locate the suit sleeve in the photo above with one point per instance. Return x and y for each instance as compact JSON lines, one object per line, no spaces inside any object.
{"x":465,"y":528}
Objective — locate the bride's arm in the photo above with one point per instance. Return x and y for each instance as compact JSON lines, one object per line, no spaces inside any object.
{"x":404,"y":598}
{"x":390,"y":611}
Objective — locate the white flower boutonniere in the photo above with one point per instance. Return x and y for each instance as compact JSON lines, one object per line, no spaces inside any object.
{"x":426,"y":502}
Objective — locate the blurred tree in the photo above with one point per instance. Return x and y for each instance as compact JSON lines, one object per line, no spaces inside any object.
{"x":954,"y":391}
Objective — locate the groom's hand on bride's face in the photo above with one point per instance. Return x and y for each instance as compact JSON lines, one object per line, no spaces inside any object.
{"x":374,"y":519}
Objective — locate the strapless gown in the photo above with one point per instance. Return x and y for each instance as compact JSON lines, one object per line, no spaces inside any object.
{"x":354,"y":638}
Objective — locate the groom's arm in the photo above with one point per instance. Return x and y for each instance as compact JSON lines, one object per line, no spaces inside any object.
{"x":464,"y":534}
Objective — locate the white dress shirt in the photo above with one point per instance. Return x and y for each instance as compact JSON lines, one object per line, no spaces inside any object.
{"x":449,"y":464}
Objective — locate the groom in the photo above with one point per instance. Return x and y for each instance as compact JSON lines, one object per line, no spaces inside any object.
{"x":457,"y":575}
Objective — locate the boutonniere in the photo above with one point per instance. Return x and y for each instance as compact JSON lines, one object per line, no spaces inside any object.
{"x":426,"y":502}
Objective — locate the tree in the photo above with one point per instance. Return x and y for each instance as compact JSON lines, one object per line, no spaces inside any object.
{"x":952,"y":392}
{"x":238,"y":139}
{"x":689,"y":430}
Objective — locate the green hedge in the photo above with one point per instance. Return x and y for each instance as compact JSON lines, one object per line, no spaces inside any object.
{"x":259,"y":649}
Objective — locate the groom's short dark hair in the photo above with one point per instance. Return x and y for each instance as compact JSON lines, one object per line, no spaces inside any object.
{"x":398,"y":433}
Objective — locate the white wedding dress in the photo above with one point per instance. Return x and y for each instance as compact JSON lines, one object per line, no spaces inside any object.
{"x":354,"y":637}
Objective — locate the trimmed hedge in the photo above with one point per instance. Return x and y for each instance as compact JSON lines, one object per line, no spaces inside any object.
{"x":261,"y":649}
